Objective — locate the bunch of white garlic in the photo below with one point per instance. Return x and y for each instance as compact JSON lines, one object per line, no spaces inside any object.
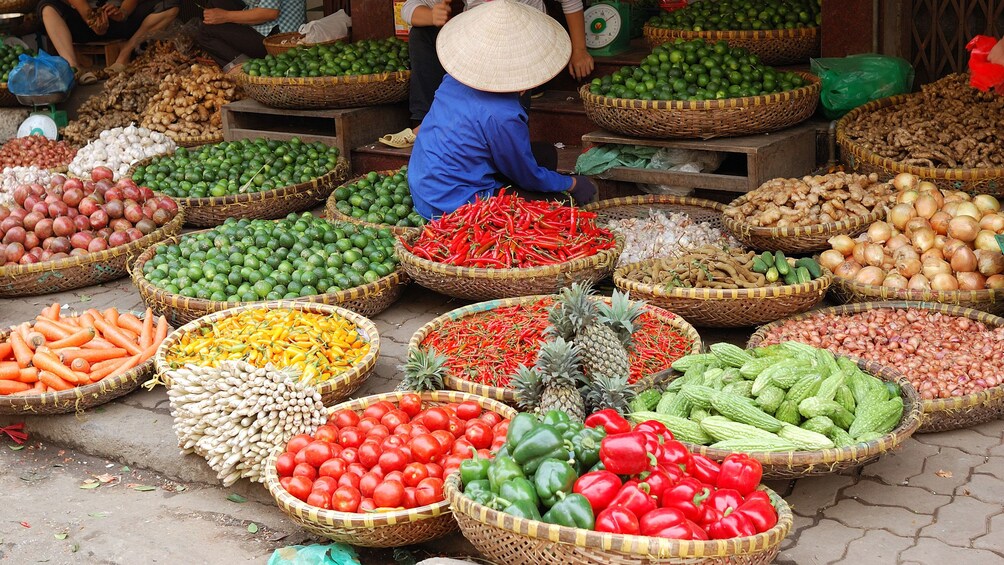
{"x":119,"y":149}
{"x":13,"y":177}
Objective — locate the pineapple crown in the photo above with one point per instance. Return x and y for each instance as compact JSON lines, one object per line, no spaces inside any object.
{"x":424,"y":370}
{"x":577,"y":307}
{"x":620,"y":315}
{"x":558,"y":363}
{"x":608,"y":392}
{"x":526,"y":383}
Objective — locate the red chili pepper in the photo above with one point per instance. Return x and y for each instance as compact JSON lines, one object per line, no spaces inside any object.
{"x":741,"y":473}
{"x":610,"y":420}
{"x":704,"y":469}
{"x":670,"y":523}
{"x":617,"y":520}
{"x":635,"y":497}
{"x":687,"y":496}
{"x":599,"y":487}
{"x":625,"y":454}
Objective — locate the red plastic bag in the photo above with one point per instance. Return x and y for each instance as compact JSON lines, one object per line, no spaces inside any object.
{"x":672,"y":5}
{"x":985,"y":75}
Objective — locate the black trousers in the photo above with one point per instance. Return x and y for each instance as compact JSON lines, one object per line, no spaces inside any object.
{"x":226,"y":42}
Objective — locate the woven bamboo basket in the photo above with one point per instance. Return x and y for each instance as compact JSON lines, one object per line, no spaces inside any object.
{"x":331,"y":391}
{"x":505,"y":394}
{"x":490,"y":284}
{"x":309,"y":93}
{"x":703,"y":118}
{"x":61,"y":275}
{"x":774,"y":47}
{"x":331,"y":211}
{"x":796,"y":240}
{"x":940,"y":414}
{"x":504,"y":538}
{"x":367,"y":300}
{"x":7,"y":100}
{"x":266,"y":205}
{"x":17,"y":6}
{"x":698,"y":209}
{"x":380,"y":529}
{"x":77,"y":398}
{"x":281,"y":42}
{"x":195,"y":140}
{"x":857,"y":157}
{"x":800,"y":464}
{"x":848,"y":291}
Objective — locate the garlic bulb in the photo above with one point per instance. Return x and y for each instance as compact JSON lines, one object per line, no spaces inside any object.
{"x":120,"y":148}
{"x":13,"y":177}
{"x":665,"y":235}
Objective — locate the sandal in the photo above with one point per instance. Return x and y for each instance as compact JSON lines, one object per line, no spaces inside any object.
{"x":401,"y":140}
{"x":86,"y":77}
{"x":115,"y":69}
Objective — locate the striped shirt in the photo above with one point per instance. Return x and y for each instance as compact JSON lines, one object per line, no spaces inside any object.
{"x":292,"y":15}
{"x":567,"y":6}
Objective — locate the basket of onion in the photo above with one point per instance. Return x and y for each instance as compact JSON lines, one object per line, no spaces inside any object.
{"x":933,"y":246}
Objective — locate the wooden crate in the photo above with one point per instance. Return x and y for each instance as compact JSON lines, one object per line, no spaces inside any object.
{"x":750,"y":161}
{"x":345,"y":129}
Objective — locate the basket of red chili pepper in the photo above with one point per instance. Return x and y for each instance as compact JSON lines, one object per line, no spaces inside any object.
{"x":505,"y":246}
{"x":604,"y":492}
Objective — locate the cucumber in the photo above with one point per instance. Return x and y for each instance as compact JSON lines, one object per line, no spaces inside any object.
{"x":772,"y":274}
{"x":759,"y":266}
{"x":802,"y":274}
{"x":768,"y":258}
{"x":781,"y":263}
{"x":813,"y":267}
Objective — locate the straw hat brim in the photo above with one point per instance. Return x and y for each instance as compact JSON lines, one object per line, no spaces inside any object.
{"x":503,"y":46}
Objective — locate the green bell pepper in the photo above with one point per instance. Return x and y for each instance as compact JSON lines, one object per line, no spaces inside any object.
{"x":519,"y":490}
{"x":543,"y":442}
{"x":518,"y":427}
{"x":569,"y":430}
{"x":523,"y":509}
{"x":502,"y":470}
{"x":553,"y":479}
{"x":555,"y":417}
{"x":474,"y":469}
{"x":573,"y":511}
{"x":586,"y":445}
{"x":479,"y":491}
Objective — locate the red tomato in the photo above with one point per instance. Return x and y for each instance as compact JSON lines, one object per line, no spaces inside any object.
{"x":390,"y":442}
{"x":445,"y":438}
{"x":429,"y":491}
{"x":305,"y":470}
{"x":378,"y":410}
{"x":497,"y":443}
{"x":418,"y":429}
{"x":300,"y":457}
{"x":393,"y":460}
{"x":451,"y":408}
{"x":457,"y":426}
{"x":394,"y":476}
{"x":326,"y":433}
{"x":366,"y":505}
{"x":434,"y":469}
{"x":484,"y":454}
{"x":336,"y":450}
{"x":317,"y":452}
{"x":426,"y":448}
{"x":501,"y":428}
{"x":479,"y":434}
{"x":298,"y":442}
{"x":468,"y":409}
{"x":368,"y":453}
{"x":463,"y":448}
{"x":378,"y":431}
{"x":367,"y":424}
{"x":356,"y":469}
{"x":404,"y":430}
{"x":333,"y":468}
{"x":393,"y":419}
{"x":349,"y":454}
{"x":411,"y":404}
{"x":490,"y":418}
{"x":351,"y":437}
{"x":436,"y":419}
{"x":300,"y":487}
{"x":407,"y":452}
{"x":319,"y":499}
{"x":414,"y":473}
{"x":450,"y":467}
{"x":409,"y":500}
{"x":388,"y":494}
{"x":326,"y":484}
{"x":345,"y":499}
{"x":349,"y":480}
{"x":345,"y":418}
{"x":368,"y":482}
{"x":284,"y":482}
{"x":284,"y":464}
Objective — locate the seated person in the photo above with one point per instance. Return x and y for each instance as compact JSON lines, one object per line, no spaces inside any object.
{"x":475,"y":138}
{"x":233,"y":31}
{"x":427,"y":17}
{"x":85,"y":21}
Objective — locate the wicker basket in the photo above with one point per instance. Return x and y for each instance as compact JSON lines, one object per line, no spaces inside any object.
{"x":332,"y":391}
{"x":332,"y":214}
{"x":859,"y":158}
{"x":774,"y":47}
{"x":281,"y":42}
{"x":7,"y":100}
{"x":508,"y":395}
{"x":799,"y":464}
{"x":703,"y":118}
{"x":698,"y":209}
{"x":326,"y":92}
{"x":940,"y":414}
{"x":194,"y":140}
{"x":17,"y":6}
{"x":50,"y":277}
{"x":380,"y":529}
{"x":266,"y":205}
{"x":987,"y":300}
{"x":796,"y":240}
{"x":504,"y":538}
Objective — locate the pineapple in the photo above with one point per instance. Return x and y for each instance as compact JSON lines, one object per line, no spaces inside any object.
{"x":620,"y":315}
{"x":424,"y":370}
{"x":526,"y":383}
{"x":602,"y":351}
{"x":560,"y":326}
{"x":558,"y":366}
{"x":606,"y":392}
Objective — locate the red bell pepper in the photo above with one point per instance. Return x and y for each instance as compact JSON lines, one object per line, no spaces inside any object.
{"x":599,"y":487}
{"x":610,"y":420}
{"x":741,"y":473}
{"x":724,"y":500}
{"x":704,"y":469}
{"x":670,"y":523}
{"x":652,"y":443}
{"x":675,"y":453}
{"x":635,"y":497}
{"x":688,"y":496}
{"x":658,"y":480}
{"x":617,"y":520}
{"x":625,"y":454}
{"x":732,"y":525}
{"x":759,"y":511}
{"x":657,"y":428}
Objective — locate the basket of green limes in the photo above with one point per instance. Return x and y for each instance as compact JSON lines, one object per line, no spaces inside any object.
{"x":379,"y":199}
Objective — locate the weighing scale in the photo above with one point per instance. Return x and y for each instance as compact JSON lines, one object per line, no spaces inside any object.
{"x":42,"y":122}
{"x":608,"y":28}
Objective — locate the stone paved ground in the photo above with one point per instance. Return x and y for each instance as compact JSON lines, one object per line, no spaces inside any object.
{"x":938,"y":497}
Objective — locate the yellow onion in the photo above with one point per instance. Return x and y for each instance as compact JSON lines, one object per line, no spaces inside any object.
{"x":905,"y":181}
{"x":986,"y":239}
{"x":926,"y":186}
{"x":895,"y":280}
{"x":989,"y":263}
{"x":847,"y":269}
{"x":944,"y":281}
{"x":939,"y":222}
{"x":900,"y":215}
{"x":908,"y":267}
{"x":995,"y":282}
{"x":931,"y":267}
{"x":968,"y":209}
{"x":939,"y":196}
{"x":919,"y":282}
{"x":951,"y":208}
{"x":922,"y":239}
{"x":970,"y":281}
{"x":957,"y":196}
{"x":897,"y":241}
{"x":879,"y":232}
{"x":964,"y":227}
{"x":831,"y":258}
{"x":993,"y":222}
{"x":932,"y":253}
{"x":925,"y":206}
{"x":905,"y":252}
{"x":940,"y":241}
{"x":842,"y":243}
{"x":964,"y":260}
{"x":907,"y":197}
{"x":916,"y":224}
{"x":870,"y":276}
{"x":951,"y":246}
{"x":986,"y":203}
{"x":874,"y":254}
{"x":859,"y":252}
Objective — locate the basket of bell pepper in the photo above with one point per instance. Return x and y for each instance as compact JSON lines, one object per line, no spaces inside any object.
{"x":606,"y":490}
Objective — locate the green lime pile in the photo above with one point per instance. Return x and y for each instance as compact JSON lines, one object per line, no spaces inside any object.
{"x":236,"y":167}
{"x":379,"y":199}
{"x":725,"y":15}
{"x":696,"y":70}
{"x":248,"y":260}
{"x":8,"y":59}
{"x":371,"y":56}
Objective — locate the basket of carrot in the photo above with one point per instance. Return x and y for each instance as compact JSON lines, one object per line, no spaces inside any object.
{"x":57,"y":364}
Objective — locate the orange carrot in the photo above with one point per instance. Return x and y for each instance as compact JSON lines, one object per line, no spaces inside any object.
{"x":29,"y":375}
{"x":161,"y":332}
{"x":52,"y":330}
{"x":24,"y":329}
{"x":46,"y":361}
{"x":132,"y":323}
{"x":110,"y":370}
{"x":51,"y":312}
{"x":38,"y":388}
{"x":146,"y":336}
{"x":133,"y":336}
{"x":36,"y":340}
{"x":115,"y":335}
{"x":9,"y":370}
{"x":13,"y":387}
{"x":92,"y":355}
{"x":80,"y":365}
{"x":5,"y":349}
{"x":21,"y":350}
{"x":77,"y":339}
{"x":112,"y":315}
{"x":52,"y":381}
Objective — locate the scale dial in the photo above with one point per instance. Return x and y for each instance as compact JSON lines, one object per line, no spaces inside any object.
{"x":603,"y":25}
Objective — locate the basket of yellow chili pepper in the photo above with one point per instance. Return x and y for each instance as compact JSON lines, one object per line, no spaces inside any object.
{"x":334,"y":349}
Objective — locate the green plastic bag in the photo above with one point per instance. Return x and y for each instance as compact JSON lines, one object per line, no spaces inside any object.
{"x":331,"y":554}
{"x":849,"y":82}
{"x":605,"y":157}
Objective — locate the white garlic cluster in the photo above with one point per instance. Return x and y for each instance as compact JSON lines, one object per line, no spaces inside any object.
{"x":120,"y":148}
{"x":236,"y":415}
{"x":665,"y":235}
{"x":13,"y":177}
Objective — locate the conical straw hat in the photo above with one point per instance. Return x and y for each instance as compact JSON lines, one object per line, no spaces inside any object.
{"x":503,"y":46}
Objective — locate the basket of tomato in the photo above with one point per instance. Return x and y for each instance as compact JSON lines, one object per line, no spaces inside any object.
{"x":373,"y":475}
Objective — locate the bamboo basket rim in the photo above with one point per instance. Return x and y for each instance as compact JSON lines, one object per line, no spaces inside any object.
{"x":506,"y":394}
{"x":932,"y":405}
{"x":949,"y":296}
{"x":654,"y":199}
{"x":393,"y":76}
{"x":364,"y":326}
{"x":378,"y":519}
{"x":719,"y":34}
{"x":812,"y":88}
{"x":869,"y":156}
{"x":764,"y":292}
{"x":622,"y":544}
{"x":741,"y":227}
{"x":335,"y":214}
{"x":189,"y":141}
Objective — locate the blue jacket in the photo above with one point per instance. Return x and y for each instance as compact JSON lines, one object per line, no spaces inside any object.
{"x":469,"y":137}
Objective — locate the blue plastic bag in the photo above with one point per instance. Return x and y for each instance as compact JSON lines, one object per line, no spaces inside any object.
{"x":42,"y":74}
{"x":330,"y":554}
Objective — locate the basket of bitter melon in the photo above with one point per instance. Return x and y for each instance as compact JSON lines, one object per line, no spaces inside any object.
{"x":798,"y":410}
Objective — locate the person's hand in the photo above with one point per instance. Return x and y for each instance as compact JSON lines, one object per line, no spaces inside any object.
{"x":215,"y":16}
{"x":441,"y":13}
{"x":583,"y":189}
{"x":581,"y":64}
{"x":114,"y":12}
{"x":996,"y":54}
{"x":97,"y":20}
